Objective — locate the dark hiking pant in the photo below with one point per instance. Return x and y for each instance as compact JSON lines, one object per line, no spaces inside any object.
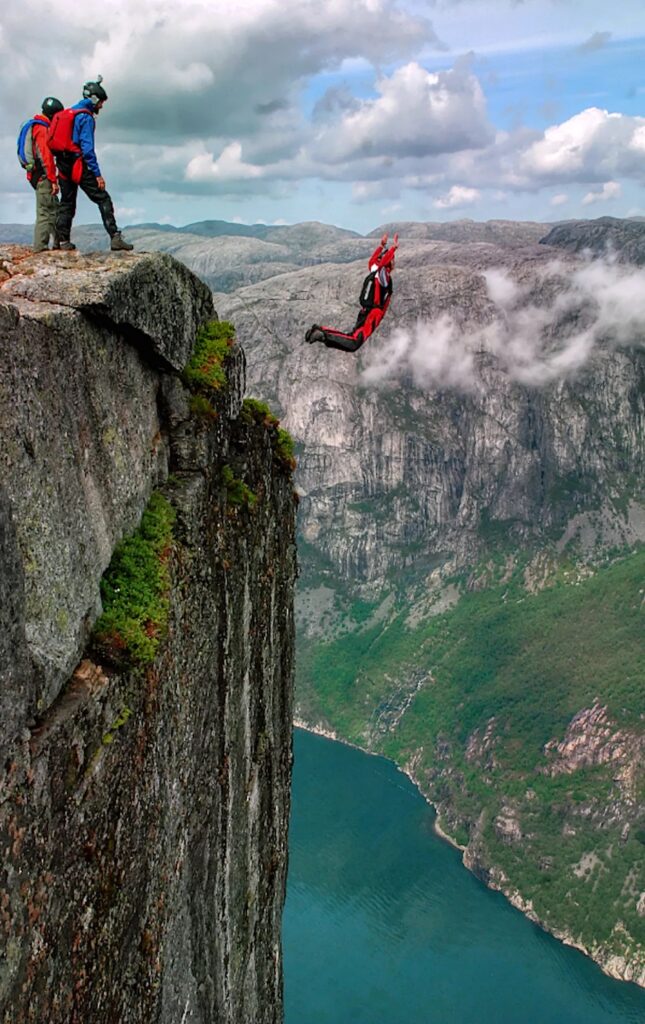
{"x":69,"y":192}
{"x":366,"y":323}
{"x":46,"y":214}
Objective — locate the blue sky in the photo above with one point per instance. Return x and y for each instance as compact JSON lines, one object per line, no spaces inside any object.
{"x":355,"y":112}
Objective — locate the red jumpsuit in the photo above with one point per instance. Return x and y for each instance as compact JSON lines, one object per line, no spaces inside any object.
{"x":368,"y":318}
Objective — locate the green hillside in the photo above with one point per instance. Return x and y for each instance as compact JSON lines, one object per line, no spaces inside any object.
{"x":499,"y":675}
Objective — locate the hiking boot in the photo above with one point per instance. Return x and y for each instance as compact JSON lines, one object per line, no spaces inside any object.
{"x":119,"y":244}
{"x":66,"y":246}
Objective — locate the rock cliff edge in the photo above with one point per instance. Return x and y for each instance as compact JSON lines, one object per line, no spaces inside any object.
{"x":143,"y":805}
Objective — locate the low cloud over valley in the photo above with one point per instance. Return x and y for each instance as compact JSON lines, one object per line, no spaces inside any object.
{"x":538,"y":332}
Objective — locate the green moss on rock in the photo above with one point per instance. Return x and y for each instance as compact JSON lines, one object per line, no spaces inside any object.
{"x":200,"y":406}
{"x":285,"y":448}
{"x":205,"y":371}
{"x":237,"y":492}
{"x":135,"y":590}
{"x":119,"y":721}
{"x":255,"y":411}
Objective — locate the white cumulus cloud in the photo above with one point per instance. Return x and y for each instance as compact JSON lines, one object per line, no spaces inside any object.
{"x":175,"y":69}
{"x":417,"y":113}
{"x":610,"y":190}
{"x":459,"y":195}
{"x":229,"y":166}
{"x":594,"y":145}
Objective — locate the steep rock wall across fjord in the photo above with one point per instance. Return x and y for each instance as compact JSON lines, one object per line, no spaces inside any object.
{"x":397,"y":475}
{"x":143,"y":811}
{"x":471,"y":586}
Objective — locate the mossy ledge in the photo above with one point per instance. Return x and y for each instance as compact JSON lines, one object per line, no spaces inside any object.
{"x":135,"y":590}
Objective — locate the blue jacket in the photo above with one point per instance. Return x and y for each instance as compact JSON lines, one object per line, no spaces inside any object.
{"x":83,"y":135}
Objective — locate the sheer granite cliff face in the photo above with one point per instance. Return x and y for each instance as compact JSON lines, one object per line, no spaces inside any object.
{"x":143,"y":814}
{"x":399,"y":475}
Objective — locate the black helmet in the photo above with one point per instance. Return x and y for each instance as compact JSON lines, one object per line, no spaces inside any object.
{"x":51,"y":106}
{"x":94,"y":91}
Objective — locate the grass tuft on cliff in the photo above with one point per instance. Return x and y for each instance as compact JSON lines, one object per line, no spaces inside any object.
{"x":237,"y":492}
{"x":135,"y":590}
{"x":204,"y":371}
{"x":255,"y":411}
{"x":202,"y":408}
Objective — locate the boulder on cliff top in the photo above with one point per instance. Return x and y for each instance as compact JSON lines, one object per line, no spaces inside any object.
{"x":142,"y":294}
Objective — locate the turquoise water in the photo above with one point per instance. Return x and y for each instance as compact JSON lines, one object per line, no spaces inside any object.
{"x":383,"y":925}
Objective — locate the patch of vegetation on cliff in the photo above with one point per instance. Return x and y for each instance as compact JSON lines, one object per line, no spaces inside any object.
{"x":255,"y":411}
{"x":237,"y":492}
{"x":202,"y":408}
{"x":205,"y":371}
{"x":521,"y":664}
{"x":121,"y":719}
{"x":135,"y":590}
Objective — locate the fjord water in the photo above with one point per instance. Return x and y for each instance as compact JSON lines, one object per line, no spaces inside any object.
{"x":383,"y":924}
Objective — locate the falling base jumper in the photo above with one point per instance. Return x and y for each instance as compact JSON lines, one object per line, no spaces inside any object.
{"x":374,"y":299}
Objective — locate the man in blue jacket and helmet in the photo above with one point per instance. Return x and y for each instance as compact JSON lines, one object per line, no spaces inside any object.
{"x":72,"y":141}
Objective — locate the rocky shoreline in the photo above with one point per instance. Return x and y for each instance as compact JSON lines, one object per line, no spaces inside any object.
{"x":610,"y":963}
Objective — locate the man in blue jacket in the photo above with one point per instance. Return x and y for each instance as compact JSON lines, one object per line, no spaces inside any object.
{"x":72,"y":140}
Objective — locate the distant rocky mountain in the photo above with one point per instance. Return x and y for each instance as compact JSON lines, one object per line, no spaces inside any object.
{"x":609,"y":236}
{"x":232,"y":256}
{"x":226,"y":255}
{"x":446,"y":442}
{"x":22,"y":234}
{"x":88,"y":237}
{"x":504,"y":232}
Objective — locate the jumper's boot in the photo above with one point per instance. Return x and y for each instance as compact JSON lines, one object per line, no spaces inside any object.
{"x":66,"y":245}
{"x":119,"y":244}
{"x":314,"y":334}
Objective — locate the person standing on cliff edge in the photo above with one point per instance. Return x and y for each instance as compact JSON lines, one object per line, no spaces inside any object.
{"x":37,"y":161}
{"x":71,"y":139}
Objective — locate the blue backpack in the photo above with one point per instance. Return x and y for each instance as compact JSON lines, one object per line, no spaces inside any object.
{"x":25,"y":144}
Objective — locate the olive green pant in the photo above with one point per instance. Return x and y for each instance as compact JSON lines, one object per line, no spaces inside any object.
{"x":46,"y":210}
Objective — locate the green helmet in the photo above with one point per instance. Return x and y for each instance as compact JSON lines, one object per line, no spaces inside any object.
{"x":51,"y":106}
{"x":94,"y":91}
